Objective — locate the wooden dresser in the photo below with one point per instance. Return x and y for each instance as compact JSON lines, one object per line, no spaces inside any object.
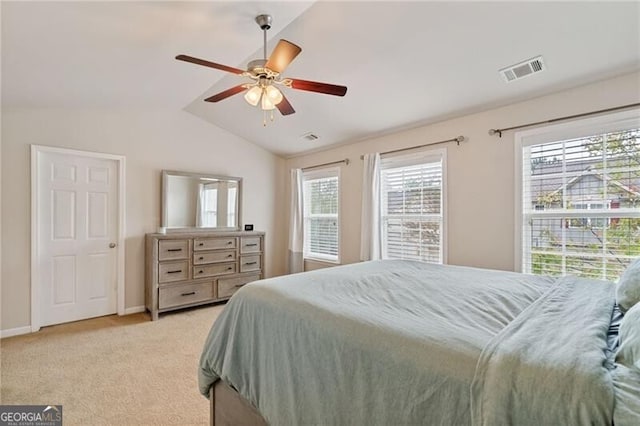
{"x":196,"y":268}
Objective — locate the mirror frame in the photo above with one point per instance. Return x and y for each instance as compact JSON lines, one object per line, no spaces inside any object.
{"x":165,"y":177}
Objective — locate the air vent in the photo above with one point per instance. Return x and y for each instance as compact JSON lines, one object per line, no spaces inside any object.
{"x":523,"y":69}
{"x":310,"y":136}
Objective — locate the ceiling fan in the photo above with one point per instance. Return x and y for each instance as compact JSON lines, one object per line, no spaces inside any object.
{"x":266,"y":76}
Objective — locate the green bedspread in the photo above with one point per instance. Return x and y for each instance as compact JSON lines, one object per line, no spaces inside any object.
{"x":403,"y":342}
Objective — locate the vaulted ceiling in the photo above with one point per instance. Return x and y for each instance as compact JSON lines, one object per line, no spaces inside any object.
{"x":405,"y":63}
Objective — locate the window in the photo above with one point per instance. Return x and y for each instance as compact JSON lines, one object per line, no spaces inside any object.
{"x":210,"y":205}
{"x":412,"y":207}
{"x":581,"y":202}
{"x":231,"y":207}
{"x":216,"y":204}
{"x":321,"y":232}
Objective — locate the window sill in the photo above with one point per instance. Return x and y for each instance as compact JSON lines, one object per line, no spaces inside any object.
{"x":319,"y":263}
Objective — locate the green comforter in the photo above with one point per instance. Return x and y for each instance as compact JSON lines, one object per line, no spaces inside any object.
{"x":403,"y":342}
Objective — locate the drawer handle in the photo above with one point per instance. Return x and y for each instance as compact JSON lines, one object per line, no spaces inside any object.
{"x":201,"y":244}
{"x":230,"y":255}
{"x":251,"y":263}
{"x":229,"y":242}
{"x":251,"y":245}
{"x":191,"y":293}
{"x":201,"y":258}
{"x":174,"y":272}
{"x":174,"y":249}
{"x":201,"y":271}
{"x":230,"y":268}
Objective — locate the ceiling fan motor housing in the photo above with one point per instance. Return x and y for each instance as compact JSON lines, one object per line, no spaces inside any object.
{"x":256,"y":67}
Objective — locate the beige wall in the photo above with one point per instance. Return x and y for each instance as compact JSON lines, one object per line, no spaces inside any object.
{"x":151,"y":141}
{"x":480,"y":189}
{"x":480,"y":172}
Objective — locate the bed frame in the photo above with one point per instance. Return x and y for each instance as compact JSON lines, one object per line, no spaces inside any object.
{"x":229,"y":408}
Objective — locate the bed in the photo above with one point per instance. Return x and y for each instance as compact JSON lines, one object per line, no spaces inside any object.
{"x":406,"y":342}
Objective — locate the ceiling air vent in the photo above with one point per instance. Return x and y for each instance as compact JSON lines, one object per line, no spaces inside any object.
{"x":310,"y":136}
{"x":523,"y":69}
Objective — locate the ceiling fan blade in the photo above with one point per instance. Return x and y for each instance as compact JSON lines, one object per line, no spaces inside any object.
{"x":284,"y":53}
{"x":209,"y":64}
{"x":314,"y":86}
{"x":285,"y":107}
{"x":224,"y":95}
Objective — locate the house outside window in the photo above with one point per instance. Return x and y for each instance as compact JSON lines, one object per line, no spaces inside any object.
{"x":592,"y":222}
{"x":412,"y":205}
{"x":580,"y":199}
{"x":321,"y":214}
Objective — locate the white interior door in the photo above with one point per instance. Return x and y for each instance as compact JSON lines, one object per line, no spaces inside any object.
{"x":77,"y":236}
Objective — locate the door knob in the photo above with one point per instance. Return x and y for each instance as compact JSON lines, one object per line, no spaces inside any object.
{"x":112,"y":245}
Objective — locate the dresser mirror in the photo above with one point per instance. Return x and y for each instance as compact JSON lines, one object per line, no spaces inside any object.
{"x":196,"y":200}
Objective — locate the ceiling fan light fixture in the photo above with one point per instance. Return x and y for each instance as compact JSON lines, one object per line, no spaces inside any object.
{"x":253,"y":95}
{"x":267,"y":104}
{"x":273,"y":94}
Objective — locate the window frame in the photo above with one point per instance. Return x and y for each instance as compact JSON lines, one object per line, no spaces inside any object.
{"x":410,"y":159}
{"x":319,"y":173}
{"x":585,"y":127}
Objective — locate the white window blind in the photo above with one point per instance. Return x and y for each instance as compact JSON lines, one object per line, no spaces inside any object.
{"x":321,"y":189}
{"x":412,"y":207}
{"x":581,"y":205}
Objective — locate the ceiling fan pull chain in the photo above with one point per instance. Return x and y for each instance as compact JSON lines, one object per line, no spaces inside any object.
{"x":264,"y":118}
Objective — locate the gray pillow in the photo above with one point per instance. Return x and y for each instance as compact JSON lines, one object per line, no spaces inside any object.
{"x":628,"y":287}
{"x":629,"y":351}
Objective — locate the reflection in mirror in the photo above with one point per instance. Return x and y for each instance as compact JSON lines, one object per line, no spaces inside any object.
{"x":202,"y":201}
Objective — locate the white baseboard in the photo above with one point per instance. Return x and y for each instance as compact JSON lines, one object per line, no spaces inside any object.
{"x":27,"y":329}
{"x":134,"y":310}
{"x":15,"y":331}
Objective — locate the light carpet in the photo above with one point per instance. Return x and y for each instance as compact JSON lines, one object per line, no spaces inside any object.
{"x":112,"y":370}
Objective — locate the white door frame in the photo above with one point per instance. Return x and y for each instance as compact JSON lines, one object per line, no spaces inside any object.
{"x":35,"y":281}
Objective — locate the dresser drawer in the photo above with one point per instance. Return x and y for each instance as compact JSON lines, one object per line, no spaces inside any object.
{"x":185,"y":294}
{"x":173,"y":249}
{"x":214,"y":257}
{"x":250,"y":263}
{"x":250,"y":245}
{"x":200,"y":244}
{"x":228,"y":286}
{"x":213,"y":270}
{"x":173,"y":271}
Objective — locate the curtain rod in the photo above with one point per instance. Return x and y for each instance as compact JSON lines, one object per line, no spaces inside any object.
{"x":584,"y":114}
{"x":456,"y":140}
{"x":345,"y":161}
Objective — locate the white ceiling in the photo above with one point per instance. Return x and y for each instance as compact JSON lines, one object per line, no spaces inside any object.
{"x":405,"y":63}
{"x":121,"y":54}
